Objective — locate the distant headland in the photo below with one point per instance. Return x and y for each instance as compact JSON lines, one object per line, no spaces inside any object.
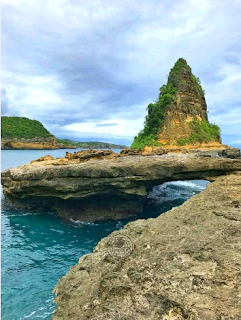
{"x":24,"y":133}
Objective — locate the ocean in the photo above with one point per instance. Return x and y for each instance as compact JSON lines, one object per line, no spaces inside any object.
{"x":38,"y":249}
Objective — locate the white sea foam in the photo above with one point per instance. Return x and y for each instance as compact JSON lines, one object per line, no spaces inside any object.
{"x":78,"y":222}
{"x":189,"y":184}
{"x":30,"y":315}
{"x":171,"y":191}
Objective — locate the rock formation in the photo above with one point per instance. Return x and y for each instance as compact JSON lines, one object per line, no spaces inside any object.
{"x":24,"y":133}
{"x":96,"y":185}
{"x":185,"y":264}
{"x":34,"y":143}
{"x":179,"y":116}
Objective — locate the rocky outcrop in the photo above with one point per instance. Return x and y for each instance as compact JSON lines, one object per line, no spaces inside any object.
{"x":33,"y":143}
{"x":98,"y":185}
{"x":185,"y":264}
{"x":199,"y":150}
{"x":179,"y":115}
{"x":188,"y":103}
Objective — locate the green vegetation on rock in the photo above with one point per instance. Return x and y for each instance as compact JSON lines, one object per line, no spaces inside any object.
{"x":19,"y":127}
{"x":154,"y":118}
{"x":24,"y":128}
{"x":99,"y":145}
{"x":198,"y":85}
{"x":202,"y":132}
{"x":180,"y":80}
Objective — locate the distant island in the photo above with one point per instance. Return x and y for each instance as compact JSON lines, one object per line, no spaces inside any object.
{"x":24,"y":133}
{"x":70,"y":144}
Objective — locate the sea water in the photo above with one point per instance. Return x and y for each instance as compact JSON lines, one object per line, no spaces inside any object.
{"x":38,"y":249}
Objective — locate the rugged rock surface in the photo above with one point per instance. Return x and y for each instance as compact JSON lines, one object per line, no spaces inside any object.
{"x":34,"y":143}
{"x":98,"y":185}
{"x":179,"y":115}
{"x":208,"y":150}
{"x":187,"y":104}
{"x":185,"y":264}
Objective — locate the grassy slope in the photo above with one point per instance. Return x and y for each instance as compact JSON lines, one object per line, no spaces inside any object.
{"x":18,"y":127}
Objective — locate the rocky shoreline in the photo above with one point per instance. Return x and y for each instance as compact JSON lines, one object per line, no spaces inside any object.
{"x":185,"y":264}
{"x":37,"y":143}
{"x":100,"y":184}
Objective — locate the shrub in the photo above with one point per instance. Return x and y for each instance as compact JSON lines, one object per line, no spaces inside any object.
{"x":202,"y":131}
{"x":141,"y":141}
{"x":154,"y":119}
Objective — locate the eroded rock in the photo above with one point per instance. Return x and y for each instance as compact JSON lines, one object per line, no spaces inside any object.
{"x":90,"y":189}
{"x":92,"y":154}
{"x":185,"y":264}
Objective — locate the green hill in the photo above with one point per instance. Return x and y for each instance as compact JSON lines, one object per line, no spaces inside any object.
{"x":13,"y":129}
{"x":19,"y":127}
{"x":66,"y":143}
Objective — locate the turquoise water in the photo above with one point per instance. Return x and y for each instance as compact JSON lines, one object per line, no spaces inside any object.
{"x":38,"y":249}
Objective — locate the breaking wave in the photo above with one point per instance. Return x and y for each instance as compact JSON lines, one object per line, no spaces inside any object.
{"x":176,"y":190}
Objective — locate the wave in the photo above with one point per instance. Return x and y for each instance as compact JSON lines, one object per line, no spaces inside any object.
{"x":78,"y":222}
{"x":176,"y":190}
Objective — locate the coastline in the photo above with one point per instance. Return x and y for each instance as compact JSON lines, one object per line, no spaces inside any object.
{"x":100,"y":184}
{"x":175,"y":312}
{"x":185,"y":264}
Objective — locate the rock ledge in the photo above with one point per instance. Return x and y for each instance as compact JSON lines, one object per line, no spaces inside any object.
{"x":97,"y":185}
{"x":185,"y":264}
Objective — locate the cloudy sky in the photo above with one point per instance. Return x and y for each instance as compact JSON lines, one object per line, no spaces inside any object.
{"x":88,"y":69}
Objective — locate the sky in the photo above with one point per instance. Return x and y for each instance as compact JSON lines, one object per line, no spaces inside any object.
{"x":88,"y":69}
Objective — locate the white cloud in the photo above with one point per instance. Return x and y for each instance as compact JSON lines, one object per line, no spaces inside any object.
{"x":123,"y":128}
{"x":71,"y":63}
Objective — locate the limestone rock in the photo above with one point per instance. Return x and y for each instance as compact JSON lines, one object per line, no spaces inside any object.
{"x":44,"y":158}
{"x":185,"y":264}
{"x":91,"y":154}
{"x":34,"y":143}
{"x":188,"y":104}
{"x":130,"y":152}
{"x":101,"y":185}
{"x":179,"y":115}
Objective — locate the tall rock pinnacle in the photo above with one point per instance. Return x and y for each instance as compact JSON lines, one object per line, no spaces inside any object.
{"x":188,"y":103}
{"x":179,"y":116}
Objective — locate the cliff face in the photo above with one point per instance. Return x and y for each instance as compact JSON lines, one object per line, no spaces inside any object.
{"x":188,"y":104}
{"x":179,"y":116}
{"x":183,"y":265}
{"x":24,"y":133}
